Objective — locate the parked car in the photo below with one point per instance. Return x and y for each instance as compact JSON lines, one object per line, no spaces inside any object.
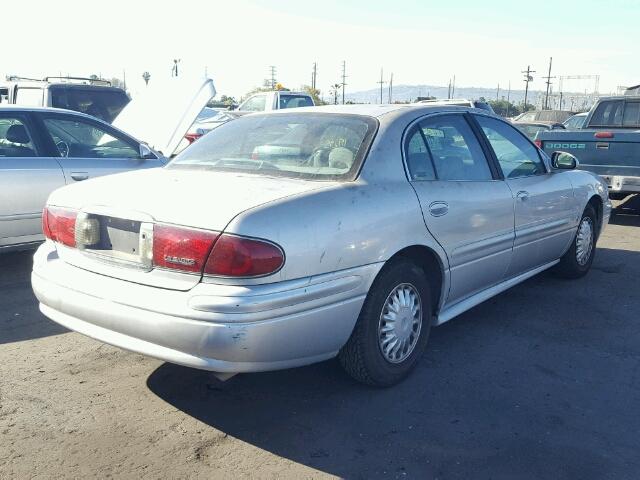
{"x":94,"y":97}
{"x":287,"y":238}
{"x":575,"y":122}
{"x":556,"y":116}
{"x":42,"y":149}
{"x":460,"y":102}
{"x":531,"y":130}
{"x":608,"y":144}
{"x":276,"y":100}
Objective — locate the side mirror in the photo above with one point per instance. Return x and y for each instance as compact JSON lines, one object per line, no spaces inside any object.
{"x":563,"y":161}
{"x":146,"y":153}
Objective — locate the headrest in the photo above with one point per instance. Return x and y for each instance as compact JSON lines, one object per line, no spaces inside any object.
{"x":18,"y":134}
{"x":341,"y":157}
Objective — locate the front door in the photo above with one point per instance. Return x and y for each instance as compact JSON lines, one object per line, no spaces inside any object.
{"x":546,"y":212}
{"x":465,"y":207}
{"x":26,"y":180}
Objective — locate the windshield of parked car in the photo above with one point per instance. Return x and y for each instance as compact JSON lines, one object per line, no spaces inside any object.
{"x":317,"y":146}
{"x":101,"y":102}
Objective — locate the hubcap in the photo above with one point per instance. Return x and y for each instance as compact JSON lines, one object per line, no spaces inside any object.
{"x":584,"y":241}
{"x":400,"y":323}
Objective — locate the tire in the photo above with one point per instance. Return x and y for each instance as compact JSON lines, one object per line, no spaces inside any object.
{"x":362,"y":356}
{"x":574,"y":263}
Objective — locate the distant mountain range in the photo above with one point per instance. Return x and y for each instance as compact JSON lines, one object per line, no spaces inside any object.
{"x":411,"y":92}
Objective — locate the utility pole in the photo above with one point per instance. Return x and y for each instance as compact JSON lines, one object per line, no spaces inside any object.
{"x":381,"y":82}
{"x":453,"y":87}
{"x":548,"y":77}
{"x":498,"y":93}
{"x":527,"y":78}
{"x":391,"y":88}
{"x":509,"y":98}
{"x":314,"y":73}
{"x":174,"y":70}
{"x":272,"y":70}
{"x":449,"y":90}
{"x":344,"y":77}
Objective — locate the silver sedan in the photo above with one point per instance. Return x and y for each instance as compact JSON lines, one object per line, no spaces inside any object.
{"x":287,"y":238}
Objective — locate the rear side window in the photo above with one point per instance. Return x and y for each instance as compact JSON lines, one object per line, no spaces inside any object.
{"x":295,"y":101}
{"x":517,"y":156}
{"x":417,"y":157}
{"x":608,"y":114}
{"x":454,"y":149}
{"x":30,"y":97}
{"x":15,"y":139}
{"x":631,"y":117}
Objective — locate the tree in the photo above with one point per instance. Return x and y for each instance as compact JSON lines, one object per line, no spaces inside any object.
{"x":315,"y":94}
{"x":509,"y":109}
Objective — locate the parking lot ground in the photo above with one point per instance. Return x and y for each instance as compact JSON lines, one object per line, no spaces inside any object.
{"x":542,"y":381}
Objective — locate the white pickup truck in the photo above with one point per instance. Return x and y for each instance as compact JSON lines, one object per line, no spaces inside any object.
{"x":276,"y":100}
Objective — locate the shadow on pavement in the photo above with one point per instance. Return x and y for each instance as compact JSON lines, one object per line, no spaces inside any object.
{"x":20,"y":318}
{"x":627,"y":212}
{"x":539,"y":382}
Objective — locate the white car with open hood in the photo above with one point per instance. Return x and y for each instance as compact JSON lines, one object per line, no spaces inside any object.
{"x":286,"y":238}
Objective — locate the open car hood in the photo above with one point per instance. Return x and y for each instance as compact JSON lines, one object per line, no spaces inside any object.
{"x":162,"y":113}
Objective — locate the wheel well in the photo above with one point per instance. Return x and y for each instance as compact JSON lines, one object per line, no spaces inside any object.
{"x":430,"y":263}
{"x":596,"y":203}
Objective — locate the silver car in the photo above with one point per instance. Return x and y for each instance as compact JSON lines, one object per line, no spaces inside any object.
{"x":42,"y":149}
{"x":287,"y":238}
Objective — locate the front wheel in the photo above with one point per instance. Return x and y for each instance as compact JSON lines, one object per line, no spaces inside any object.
{"x":578,"y":259}
{"x":392,"y":330}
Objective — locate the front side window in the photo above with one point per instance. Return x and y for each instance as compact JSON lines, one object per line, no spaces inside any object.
{"x":517,"y":156}
{"x":454,"y":149}
{"x":15,"y":140}
{"x":317,"y":146}
{"x":295,"y":101}
{"x":75,"y":138}
{"x":257,"y":103}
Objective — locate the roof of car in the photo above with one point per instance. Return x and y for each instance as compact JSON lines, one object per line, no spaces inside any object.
{"x":25,"y":108}
{"x":372,"y":110}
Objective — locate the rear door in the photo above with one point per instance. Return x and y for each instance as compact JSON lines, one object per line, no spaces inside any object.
{"x":467,"y":209}
{"x":27,"y":177}
{"x":88,"y":148}
{"x":545,"y":208}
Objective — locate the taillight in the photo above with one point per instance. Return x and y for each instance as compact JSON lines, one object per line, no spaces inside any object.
{"x":59,"y":225}
{"x":603,"y":135}
{"x":243,"y":257}
{"x":181,"y":248}
{"x":192,"y":137}
{"x":538,"y":143}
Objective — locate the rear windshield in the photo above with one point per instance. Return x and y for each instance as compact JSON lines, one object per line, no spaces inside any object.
{"x":100,"y":102}
{"x":294,"y":101}
{"x":317,"y":146}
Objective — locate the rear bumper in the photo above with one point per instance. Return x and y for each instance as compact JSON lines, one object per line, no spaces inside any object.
{"x":221,"y":328}
{"x":622,"y":184}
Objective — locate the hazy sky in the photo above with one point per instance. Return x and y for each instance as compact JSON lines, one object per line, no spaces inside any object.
{"x":421,"y":41}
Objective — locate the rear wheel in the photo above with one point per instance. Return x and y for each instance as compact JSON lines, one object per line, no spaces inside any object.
{"x":578,"y":259}
{"x":392,"y":330}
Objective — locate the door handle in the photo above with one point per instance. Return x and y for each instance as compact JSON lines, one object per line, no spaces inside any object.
{"x":78,"y":176}
{"x":522,"y":195}
{"x":438,"y":209}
